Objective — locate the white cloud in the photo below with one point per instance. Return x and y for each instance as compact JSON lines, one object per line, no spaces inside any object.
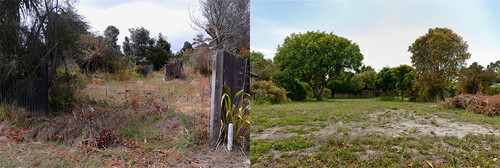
{"x":268,"y":54}
{"x":172,"y":21}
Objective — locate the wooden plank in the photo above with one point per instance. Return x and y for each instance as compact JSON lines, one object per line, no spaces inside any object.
{"x":215,"y":104}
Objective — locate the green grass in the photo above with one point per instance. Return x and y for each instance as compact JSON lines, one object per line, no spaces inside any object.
{"x":344,"y":148}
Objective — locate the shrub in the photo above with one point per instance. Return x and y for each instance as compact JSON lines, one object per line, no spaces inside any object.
{"x":328,"y":93}
{"x":200,"y":60}
{"x":124,"y":72}
{"x":274,"y":93}
{"x":260,"y":96}
{"x":295,"y":90}
{"x":68,"y":80}
{"x":494,"y":90}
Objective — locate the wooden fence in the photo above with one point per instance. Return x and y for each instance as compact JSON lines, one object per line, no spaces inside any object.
{"x":174,"y":70}
{"x":234,"y":72}
{"x":31,"y":93}
{"x":147,"y":67}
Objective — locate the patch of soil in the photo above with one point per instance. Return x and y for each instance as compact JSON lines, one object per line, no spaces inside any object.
{"x":418,"y":126}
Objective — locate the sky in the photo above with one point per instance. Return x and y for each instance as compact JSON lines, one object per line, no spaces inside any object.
{"x":169,"y":17}
{"x":383,"y":29}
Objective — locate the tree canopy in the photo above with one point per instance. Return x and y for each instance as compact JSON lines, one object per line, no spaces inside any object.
{"x":475,"y":79}
{"x":385,"y":80}
{"x":437,"y":56}
{"x":317,"y":58}
{"x":403,"y":76}
{"x":265,"y":68}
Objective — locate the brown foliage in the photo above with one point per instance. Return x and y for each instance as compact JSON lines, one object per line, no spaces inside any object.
{"x":200,"y":60}
{"x":475,"y":79}
{"x":482,"y":104}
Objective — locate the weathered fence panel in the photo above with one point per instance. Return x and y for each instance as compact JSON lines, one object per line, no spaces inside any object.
{"x":146,"y":66}
{"x":31,"y":93}
{"x":174,"y":70}
{"x":233,"y":71}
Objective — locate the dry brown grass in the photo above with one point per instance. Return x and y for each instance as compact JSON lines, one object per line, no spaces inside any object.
{"x":141,"y":123}
{"x":483,"y":104}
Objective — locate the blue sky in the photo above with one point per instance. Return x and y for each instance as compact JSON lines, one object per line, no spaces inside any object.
{"x":169,"y":17}
{"x":383,"y":29}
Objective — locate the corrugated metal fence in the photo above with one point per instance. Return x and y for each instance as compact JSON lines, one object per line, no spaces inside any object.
{"x":31,"y":93}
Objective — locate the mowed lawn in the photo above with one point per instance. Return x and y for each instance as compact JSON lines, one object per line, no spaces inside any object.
{"x":372,"y":133}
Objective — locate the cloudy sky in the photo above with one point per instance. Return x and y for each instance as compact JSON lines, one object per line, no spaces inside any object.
{"x":383,"y":29}
{"x":171,"y":17}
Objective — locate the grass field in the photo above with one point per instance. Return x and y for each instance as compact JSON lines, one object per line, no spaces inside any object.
{"x":153,"y":124}
{"x":371,"y":133}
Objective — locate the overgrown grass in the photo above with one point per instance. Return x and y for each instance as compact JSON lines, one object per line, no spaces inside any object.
{"x":150,"y":122}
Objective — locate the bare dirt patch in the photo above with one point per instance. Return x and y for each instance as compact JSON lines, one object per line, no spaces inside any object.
{"x":411,"y":125}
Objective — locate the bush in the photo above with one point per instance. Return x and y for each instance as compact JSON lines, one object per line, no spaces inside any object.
{"x":68,"y":81}
{"x":273,"y":93}
{"x":260,"y":96}
{"x":494,"y":90}
{"x":200,"y":60}
{"x":124,"y":72}
{"x":295,"y":90}
{"x":328,"y":93}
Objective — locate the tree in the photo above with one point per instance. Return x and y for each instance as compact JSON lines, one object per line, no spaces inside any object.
{"x":317,"y":58}
{"x":160,"y":53}
{"x":94,"y":53}
{"x":475,"y":79}
{"x":227,"y":22}
{"x":366,"y":68}
{"x":127,"y":50}
{"x":295,"y":90}
{"x":265,"y":68}
{"x":365,"y":80}
{"x":139,"y":43}
{"x":437,"y":57}
{"x":495,"y":66}
{"x":111,"y":36}
{"x":344,"y":84}
{"x":400,"y":76}
{"x":385,"y":81}
{"x":200,"y":40}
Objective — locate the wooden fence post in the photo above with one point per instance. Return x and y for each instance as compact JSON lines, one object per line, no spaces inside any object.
{"x":215,"y":104}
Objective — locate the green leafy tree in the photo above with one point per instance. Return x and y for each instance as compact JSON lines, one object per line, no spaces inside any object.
{"x":317,"y":58}
{"x":265,"y":68}
{"x":160,"y":53}
{"x":344,"y":84}
{"x":384,"y":81}
{"x":495,"y":66}
{"x":365,"y":80}
{"x":127,"y":50}
{"x":139,"y":43}
{"x":437,"y":58}
{"x":186,"y":48}
{"x":399,"y":74}
{"x":111,"y":36}
{"x":295,"y":90}
{"x":475,"y":79}
{"x":366,"y":68}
